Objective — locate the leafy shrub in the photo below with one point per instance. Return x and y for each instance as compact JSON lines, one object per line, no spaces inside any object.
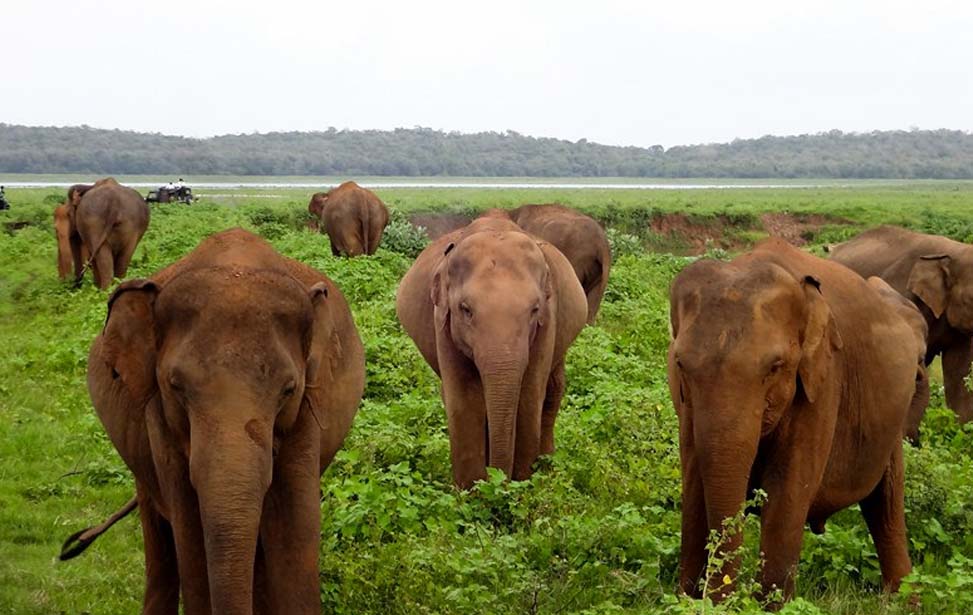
{"x":402,"y":237}
{"x":623,"y":244}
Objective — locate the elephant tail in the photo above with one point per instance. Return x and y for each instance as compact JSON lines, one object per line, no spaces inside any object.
{"x":93,"y":254}
{"x":366,"y":228}
{"x":79,"y":541}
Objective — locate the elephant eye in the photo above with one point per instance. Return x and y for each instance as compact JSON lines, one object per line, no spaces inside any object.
{"x":776,"y":365}
{"x":534,"y":311}
{"x":288,"y":389}
{"x":466,"y":310}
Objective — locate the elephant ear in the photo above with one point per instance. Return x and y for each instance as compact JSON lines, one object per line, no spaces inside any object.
{"x":439,"y":290}
{"x":929,"y":280}
{"x":334,"y":376}
{"x":121,"y":367}
{"x":820,"y":339}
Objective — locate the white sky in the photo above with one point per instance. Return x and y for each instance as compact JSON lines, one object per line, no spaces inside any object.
{"x":625,"y":73}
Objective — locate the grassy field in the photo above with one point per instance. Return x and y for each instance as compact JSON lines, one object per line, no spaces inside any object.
{"x":597,"y":528}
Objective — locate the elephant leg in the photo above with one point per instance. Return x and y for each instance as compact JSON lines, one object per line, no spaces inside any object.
{"x":172,"y":468}
{"x":917,"y":408}
{"x":466,"y":415}
{"x":552,"y":404}
{"x":104,"y":267}
{"x":956,"y":367}
{"x":695,"y":528}
{"x":781,"y":535}
{"x":884,"y":512}
{"x":334,"y":249}
{"x":124,"y":258}
{"x":530,"y":412}
{"x":290,"y":525}
{"x":161,"y":571}
{"x":79,"y":254}
{"x":792,"y":472}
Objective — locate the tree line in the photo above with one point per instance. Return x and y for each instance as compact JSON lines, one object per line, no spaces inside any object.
{"x":913,"y":154}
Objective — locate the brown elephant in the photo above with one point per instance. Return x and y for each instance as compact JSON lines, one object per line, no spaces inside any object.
{"x":352,"y":216}
{"x":493,"y":311}
{"x":792,"y":375}
{"x":579,"y":237}
{"x":100,"y":226}
{"x":227,"y":382}
{"x":911,"y":314}
{"x":936,"y":274}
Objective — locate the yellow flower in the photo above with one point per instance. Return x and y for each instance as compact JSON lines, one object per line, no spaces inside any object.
{"x":726,"y":579}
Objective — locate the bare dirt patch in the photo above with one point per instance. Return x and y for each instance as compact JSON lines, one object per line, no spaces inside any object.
{"x":797,"y":229}
{"x":685,"y":234}
{"x":437,"y":225}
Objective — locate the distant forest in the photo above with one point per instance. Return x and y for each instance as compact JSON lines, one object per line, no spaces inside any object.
{"x":915,"y":154}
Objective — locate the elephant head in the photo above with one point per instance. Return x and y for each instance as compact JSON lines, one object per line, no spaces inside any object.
{"x":213,"y":368}
{"x":492,"y":294}
{"x":734,"y":377}
{"x":316,"y":205}
{"x":944,"y":282}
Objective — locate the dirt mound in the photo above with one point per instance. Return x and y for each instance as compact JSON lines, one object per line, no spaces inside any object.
{"x":437,"y":225}
{"x":797,"y":229}
{"x":685,"y":234}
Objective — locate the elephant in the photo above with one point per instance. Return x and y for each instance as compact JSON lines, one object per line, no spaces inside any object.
{"x":99,"y":226}
{"x":790,"y":374}
{"x":493,"y":311}
{"x":352,"y":216}
{"x":911,"y":314}
{"x":936,"y":274}
{"x":227,"y":382}
{"x":579,"y":237}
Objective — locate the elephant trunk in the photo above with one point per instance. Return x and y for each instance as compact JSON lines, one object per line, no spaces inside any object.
{"x":726,"y":445}
{"x":502,"y":374}
{"x":231,"y":469}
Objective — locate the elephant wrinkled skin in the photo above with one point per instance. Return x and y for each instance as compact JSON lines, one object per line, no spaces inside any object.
{"x":936,"y":274}
{"x":579,"y":237}
{"x":227,"y":382}
{"x":352,"y":216}
{"x":792,"y":375}
{"x":493,"y":311}
{"x":100,"y":226}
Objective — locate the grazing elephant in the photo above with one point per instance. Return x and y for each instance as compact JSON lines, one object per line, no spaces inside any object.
{"x":936,"y":274}
{"x":99,"y":226}
{"x":792,"y":375}
{"x":493,"y":311}
{"x":227,"y":382}
{"x":579,"y":237}
{"x":911,"y":314}
{"x":353,"y":217}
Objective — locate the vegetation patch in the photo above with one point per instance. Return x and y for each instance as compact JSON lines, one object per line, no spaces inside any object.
{"x":595,"y":531}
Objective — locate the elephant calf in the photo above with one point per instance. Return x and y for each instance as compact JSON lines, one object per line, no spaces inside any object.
{"x":227,"y":383}
{"x":493,"y":311}
{"x":936,"y":274}
{"x":99,"y":226}
{"x":579,"y":237}
{"x":352,"y":216}
{"x":793,"y":375}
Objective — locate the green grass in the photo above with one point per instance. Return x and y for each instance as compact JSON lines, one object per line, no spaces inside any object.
{"x":595,"y":531}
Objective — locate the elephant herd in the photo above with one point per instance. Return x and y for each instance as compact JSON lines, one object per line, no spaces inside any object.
{"x":228,"y":381}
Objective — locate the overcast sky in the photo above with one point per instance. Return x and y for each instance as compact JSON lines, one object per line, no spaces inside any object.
{"x":624,"y":73}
